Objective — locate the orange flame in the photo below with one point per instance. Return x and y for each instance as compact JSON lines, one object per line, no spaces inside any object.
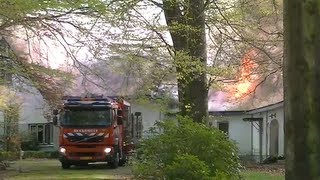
{"x":246,"y":75}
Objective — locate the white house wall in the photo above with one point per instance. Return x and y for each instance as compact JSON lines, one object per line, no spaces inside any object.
{"x":32,"y":109}
{"x":266,"y":131}
{"x":256,"y":135}
{"x":243,"y":138}
{"x":255,"y":138}
{"x":149,"y":115}
{"x":280,"y":118}
{"x":239,"y":131}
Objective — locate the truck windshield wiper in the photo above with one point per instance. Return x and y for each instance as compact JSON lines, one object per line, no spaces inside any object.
{"x":86,"y":139}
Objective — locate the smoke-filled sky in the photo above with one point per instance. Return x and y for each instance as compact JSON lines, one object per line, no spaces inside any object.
{"x":51,"y":53}
{"x":251,"y":90}
{"x":232,"y":97}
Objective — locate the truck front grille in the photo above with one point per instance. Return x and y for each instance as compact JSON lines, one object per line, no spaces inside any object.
{"x":85,"y":139}
{"x":85,"y":154}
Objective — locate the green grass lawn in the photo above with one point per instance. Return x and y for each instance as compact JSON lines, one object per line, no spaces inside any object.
{"x":50,"y":169}
{"x":261,"y":176}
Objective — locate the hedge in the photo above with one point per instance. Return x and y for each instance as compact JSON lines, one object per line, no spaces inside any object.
{"x":4,"y":155}
{"x":41,"y":154}
{"x":8,"y":156}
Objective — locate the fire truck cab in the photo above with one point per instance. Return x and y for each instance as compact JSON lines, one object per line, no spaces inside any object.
{"x":94,"y":129}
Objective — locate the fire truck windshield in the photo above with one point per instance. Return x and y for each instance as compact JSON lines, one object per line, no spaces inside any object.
{"x":86,"y":117}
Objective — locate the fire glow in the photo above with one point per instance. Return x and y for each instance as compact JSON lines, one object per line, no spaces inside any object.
{"x":246,"y":78}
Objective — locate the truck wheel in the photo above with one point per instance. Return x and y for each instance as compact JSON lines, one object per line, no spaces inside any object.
{"x":115,"y":161}
{"x":123,"y":160}
{"x":65,"y":165}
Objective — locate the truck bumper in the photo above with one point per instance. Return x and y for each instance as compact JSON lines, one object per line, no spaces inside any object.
{"x":77,"y":156}
{"x":79,"y":160}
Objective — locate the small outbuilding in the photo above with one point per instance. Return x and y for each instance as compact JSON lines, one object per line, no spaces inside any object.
{"x":259,"y":133}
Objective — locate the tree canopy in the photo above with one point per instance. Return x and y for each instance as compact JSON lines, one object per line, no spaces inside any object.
{"x":157,"y":43}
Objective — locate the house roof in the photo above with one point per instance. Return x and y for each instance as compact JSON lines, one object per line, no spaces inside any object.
{"x":221,"y":113}
{"x":266,"y":108}
{"x":251,"y":111}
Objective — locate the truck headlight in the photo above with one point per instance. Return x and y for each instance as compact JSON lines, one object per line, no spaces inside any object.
{"x":107,"y":150}
{"x":62,"y":150}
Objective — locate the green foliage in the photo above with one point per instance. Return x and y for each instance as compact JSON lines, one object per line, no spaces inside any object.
{"x":188,"y":66}
{"x":174,"y":141}
{"x":41,"y":154}
{"x":17,"y":11}
{"x":187,"y":167}
{"x":8,"y":156}
{"x":35,"y":154}
{"x":29,"y":142}
{"x":54,"y":154}
{"x":11,"y":136}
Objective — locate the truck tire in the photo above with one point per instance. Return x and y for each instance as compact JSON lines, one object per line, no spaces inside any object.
{"x":123,"y":160}
{"x":65,"y":165}
{"x":115,"y":161}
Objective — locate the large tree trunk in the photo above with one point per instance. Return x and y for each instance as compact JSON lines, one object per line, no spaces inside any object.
{"x":187,"y":29}
{"x":302,"y":88}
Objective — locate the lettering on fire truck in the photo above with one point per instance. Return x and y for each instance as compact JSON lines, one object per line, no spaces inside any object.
{"x":85,"y":130}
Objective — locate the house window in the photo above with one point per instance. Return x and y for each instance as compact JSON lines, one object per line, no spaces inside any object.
{"x":44,"y":132}
{"x":224,"y":126}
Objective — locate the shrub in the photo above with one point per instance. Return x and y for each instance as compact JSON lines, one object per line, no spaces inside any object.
{"x":36,"y":154}
{"x":187,"y":167}
{"x":8,"y":156}
{"x":281,"y":157}
{"x":29,"y":142}
{"x":54,"y":154}
{"x":41,"y":154}
{"x":270,"y":160}
{"x":171,"y":140}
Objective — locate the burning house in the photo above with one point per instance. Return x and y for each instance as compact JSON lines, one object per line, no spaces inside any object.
{"x":259,"y":132}
{"x":251,"y":110}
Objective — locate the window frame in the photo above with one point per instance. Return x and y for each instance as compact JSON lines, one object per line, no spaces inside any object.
{"x":224,"y":122}
{"x":34,"y":128}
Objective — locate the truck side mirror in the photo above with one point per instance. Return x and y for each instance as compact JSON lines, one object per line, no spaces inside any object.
{"x":55,"y":112}
{"x":55,"y":120}
{"x":137,"y":113}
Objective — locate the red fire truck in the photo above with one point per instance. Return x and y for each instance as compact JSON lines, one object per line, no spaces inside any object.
{"x":95,"y":129}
